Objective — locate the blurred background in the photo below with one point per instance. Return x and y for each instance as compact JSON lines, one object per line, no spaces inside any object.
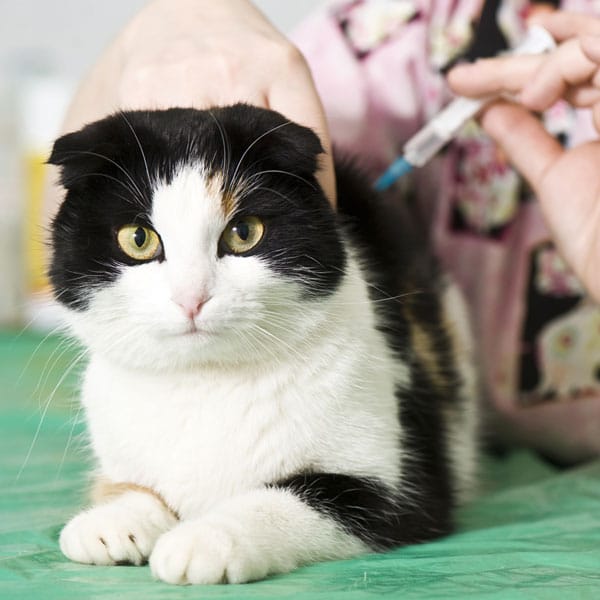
{"x":45,"y":48}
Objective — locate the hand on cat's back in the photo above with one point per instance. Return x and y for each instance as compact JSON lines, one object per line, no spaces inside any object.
{"x":201,"y":53}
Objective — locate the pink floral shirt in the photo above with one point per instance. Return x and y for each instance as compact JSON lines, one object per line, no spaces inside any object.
{"x":377,"y":66}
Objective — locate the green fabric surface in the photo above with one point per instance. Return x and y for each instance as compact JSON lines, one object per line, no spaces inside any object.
{"x":534,"y":532}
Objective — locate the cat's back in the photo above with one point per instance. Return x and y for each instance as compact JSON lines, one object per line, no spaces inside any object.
{"x":388,"y":232}
{"x":424,"y":319}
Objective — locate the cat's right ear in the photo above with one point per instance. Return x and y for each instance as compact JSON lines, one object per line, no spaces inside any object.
{"x":82,"y":153}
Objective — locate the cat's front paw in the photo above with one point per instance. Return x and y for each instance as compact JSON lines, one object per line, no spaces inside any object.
{"x":122,"y":531}
{"x":205,"y":552}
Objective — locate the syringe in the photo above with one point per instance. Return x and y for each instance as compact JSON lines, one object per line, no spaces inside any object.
{"x":427,"y":142}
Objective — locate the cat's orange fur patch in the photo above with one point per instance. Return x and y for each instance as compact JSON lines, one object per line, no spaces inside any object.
{"x":104,"y":490}
{"x":216,"y":188}
{"x":424,"y":348}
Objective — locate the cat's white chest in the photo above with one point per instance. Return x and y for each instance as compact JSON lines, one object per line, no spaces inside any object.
{"x":194,"y":442}
{"x":197,"y":440}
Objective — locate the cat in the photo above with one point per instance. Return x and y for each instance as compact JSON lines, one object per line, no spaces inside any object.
{"x":271,"y":383}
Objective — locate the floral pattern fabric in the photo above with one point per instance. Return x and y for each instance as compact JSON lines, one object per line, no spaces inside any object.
{"x":378,"y":65}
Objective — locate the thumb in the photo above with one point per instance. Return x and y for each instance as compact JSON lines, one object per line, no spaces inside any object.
{"x":528,"y":146}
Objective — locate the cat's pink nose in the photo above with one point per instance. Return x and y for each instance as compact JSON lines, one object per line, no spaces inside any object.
{"x":190,"y":305}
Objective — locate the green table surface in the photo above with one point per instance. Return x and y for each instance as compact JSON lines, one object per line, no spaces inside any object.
{"x":534,"y":532}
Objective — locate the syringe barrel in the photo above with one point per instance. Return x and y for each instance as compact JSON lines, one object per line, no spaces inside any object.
{"x":427,"y":142}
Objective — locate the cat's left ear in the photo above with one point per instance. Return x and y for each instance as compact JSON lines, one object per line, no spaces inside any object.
{"x":89,"y":150}
{"x":281,"y":143}
{"x":298,"y":149}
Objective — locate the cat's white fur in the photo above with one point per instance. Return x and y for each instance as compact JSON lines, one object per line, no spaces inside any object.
{"x":464,"y":423}
{"x":268,"y":386}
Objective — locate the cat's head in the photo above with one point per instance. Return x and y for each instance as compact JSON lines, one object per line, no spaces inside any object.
{"x":188,"y":236}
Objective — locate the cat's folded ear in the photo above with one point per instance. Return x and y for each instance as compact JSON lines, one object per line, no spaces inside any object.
{"x":281,"y":143}
{"x":298,"y":150}
{"x":82,"y":153}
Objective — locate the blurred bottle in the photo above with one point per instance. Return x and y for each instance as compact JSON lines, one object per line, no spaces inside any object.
{"x":42,"y":102}
{"x":11,"y":259}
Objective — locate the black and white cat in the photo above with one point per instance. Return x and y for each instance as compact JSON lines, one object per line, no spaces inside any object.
{"x":270,"y":384}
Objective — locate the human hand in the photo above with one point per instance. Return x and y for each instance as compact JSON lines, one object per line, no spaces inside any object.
{"x":567,"y":182}
{"x":201,"y":53}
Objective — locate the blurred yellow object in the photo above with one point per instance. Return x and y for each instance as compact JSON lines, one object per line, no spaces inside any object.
{"x":41,"y":106}
{"x":34,"y":171}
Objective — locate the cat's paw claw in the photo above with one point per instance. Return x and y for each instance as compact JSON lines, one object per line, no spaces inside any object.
{"x":109,"y":535}
{"x":91,"y":538}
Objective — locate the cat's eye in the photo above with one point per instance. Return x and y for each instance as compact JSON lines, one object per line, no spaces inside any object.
{"x":242,"y":235}
{"x":139,"y":243}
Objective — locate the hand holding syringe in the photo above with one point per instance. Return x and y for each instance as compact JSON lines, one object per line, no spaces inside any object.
{"x":445,"y":125}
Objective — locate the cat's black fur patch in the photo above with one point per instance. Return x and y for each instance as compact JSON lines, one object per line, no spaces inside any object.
{"x":407,"y":284}
{"x":388,"y":235}
{"x":368,"y":510}
{"x":109,"y":167}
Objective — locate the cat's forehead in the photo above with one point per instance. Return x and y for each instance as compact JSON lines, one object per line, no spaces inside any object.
{"x":191,"y":209}
{"x":195,"y":194}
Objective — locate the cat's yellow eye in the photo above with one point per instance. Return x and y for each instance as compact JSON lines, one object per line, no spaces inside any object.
{"x":139,"y":243}
{"x":243,"y":234}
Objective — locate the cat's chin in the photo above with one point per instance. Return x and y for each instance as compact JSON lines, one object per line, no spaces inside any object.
{"x":191,"y":332}
{"x":167,"y":355}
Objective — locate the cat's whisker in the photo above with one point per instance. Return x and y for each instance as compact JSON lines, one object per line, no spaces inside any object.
{"x":108,"y":320}
{"x":26,"y":327}
{"x":139,"y":202}
{"x":253,"y":184}
{"x":358,"y":278}
{"x":114,"y":163}
{"x":139,"y":199}
{"x":279,"y":341}
{"x":37,"y":349}
{"x":276,"y":192}
{"x":225,"y":163}
{"x":36,"y":435}
{"x":63,"y":346}
{"x":74,"y":422}
{"x":139,"y":144}
{"x":234,"y":180}
{"x":36,"y":316}
{"x":282,"y":172}
{"x":283,"y":324}
{"x":257,"y":345}
{"x":189,"y":143}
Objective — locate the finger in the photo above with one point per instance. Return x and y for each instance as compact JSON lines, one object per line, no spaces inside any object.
{"x":564,"y":25}
{"x":596,"y":116}
{"x":590,"y":45}
{"x":565,"y":67}
{"x":491,"y":76}
{"x":528,"y":146}
{"x":583,"y":96}
{"x":298,"y":100}
{"x":235,"y":96}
